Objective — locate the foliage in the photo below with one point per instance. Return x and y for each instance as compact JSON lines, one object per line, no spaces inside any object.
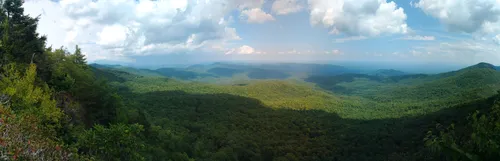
{"x":479,"y":142}
{"x":71,"y":74}
{"x":47,"y":95}
{"x":26,"y":98}
{"x":20,"y":41}
{"x":24,"y":133}
{"x":117,"y":142}
{"x":23,"y":137}
{"x":214,"y":121}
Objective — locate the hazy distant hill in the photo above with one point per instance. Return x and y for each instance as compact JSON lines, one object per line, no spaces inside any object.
{"x":179,"y":73}
{"x":104,"y":65}
{"x":389,"y":72}
{"x":267,"y":74}
{"x":474,"y":82}
{"x":103,"y":73}
{"x":313,"y":69}
{"x":225,"y":72}
{"x":479,"y":75}
{"x":482,"y":77}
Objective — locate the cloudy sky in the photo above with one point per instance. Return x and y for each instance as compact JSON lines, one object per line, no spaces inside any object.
{"x":196,"y":31}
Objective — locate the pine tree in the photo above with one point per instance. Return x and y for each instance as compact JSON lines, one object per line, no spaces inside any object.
{"x":20,"y":41}
{"x":79,"y":57}
{"x":25,"y":43}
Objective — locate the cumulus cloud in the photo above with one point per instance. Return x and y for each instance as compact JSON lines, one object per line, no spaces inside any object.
{"x":256,"y":15}
{"x":419,"y":38}
{"x":350,"y":38}
{"x":112,"y":36}
{"x":245,"y":49}
{"x":358,"y":18}
{"x":120,"y":28}
{"x":464,"y":15}
{"x":284,"y":7}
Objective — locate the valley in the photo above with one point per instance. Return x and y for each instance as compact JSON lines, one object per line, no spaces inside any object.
{"x":330,"y":113}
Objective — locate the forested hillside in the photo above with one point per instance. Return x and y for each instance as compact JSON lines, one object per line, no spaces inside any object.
{"x":54,"y":106}
{"x":313,"y":124}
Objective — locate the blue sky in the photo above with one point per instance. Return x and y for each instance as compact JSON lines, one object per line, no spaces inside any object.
{"x":191,"y":31}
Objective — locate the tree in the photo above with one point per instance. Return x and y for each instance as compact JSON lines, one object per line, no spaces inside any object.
{"x":481,"y":141}
{"x":79,"y":58}
{"x":70,"y":75}
{"x":26,"y":97}
{"x":29,"y":118}
{"x":118,"y":142}
{"x":21,"y":43}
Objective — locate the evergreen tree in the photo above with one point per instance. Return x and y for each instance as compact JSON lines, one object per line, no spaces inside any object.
{"x":79,"y":57}
{"x":20,"y":41}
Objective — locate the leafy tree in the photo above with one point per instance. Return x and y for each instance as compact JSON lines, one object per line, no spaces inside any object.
{"x":26,"y":97}
{"x":28,"y":118}
{"x":117,"y":142}
{"x":70,"y":75}
{"x":481,"y":140}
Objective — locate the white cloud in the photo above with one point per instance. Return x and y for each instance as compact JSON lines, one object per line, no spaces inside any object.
{"x":337,"y":52}
{"x":358,"y":18}
{"x":256,"y":15}
{"x":245,"y":49}
{"x":246,"y":4}
{"x":284,"y":7}
{"x":464,"y":51}
{"x":119,"y":29}
{"x":334,"y":52}
{"x":420,"y":53}
{"x":464,"y":15}
{"x":294,"y":52}
{"x":419,"y":38}
{"x":50,"y":23}
{"x":112,"y":36}
{"x":497,"y":39}
{"x":351,"y":38}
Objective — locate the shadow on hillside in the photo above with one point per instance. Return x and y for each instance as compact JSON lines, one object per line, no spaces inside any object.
{"x":330,"y":83}
{"x":257,"y":73}
{"x":231,"y":127}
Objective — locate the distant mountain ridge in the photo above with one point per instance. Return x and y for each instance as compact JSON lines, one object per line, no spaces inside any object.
{"x":316,"y":73}
{"x":476,"y":76}
{"x":483,"y":65}
{"x":389,"y":72}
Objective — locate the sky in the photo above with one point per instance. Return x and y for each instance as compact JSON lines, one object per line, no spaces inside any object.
{"x":200,"y":31}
